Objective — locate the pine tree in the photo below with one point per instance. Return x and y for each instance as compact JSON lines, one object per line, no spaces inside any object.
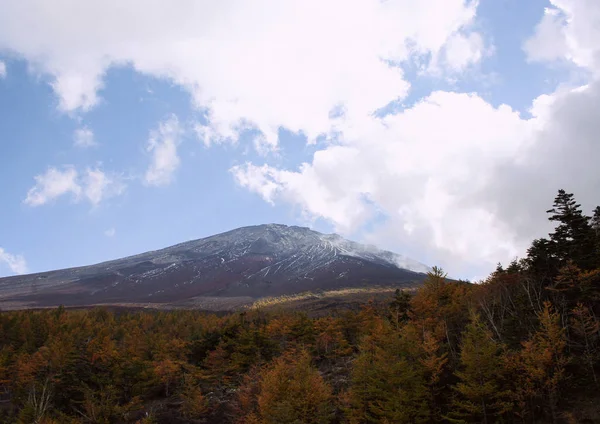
{"x":400,"y":307}
{"x":573,"y":237}
{"x":542,"y":260}
{"x":293,"y":391}
{"x":434,"y":361}
{"x":595,"y":221}
{"x":595,"y":225}
{"x":386,"y":386}
{"x":541,"y":365}
{"x":480,"y":394}
{"x":586,"y":338}
{"x":568,"y":283}
{"x":193,"y":402}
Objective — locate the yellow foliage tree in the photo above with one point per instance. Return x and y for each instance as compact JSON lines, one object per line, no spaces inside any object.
{"x":293,"y":391}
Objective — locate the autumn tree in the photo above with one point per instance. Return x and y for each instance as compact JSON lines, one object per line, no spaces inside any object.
{"x":433,"y":360}
{"x":386,"y":385}
{"x":540,"y":366}
{"x":330,"y":342}
{"x":480,"y":393}
{"x":586,"y":339}
{"x":441,"y":308}
{"x":292,"y":391}
{"x":193,"y":403}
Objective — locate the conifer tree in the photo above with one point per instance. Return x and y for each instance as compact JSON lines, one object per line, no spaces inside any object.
{"x":193,"y":402}
{"x":595,"y":221}
{"x":434,"y":361}
{"x":386,"y":386}
{"x":573,"y":237}
{"x":586,"y":335}
{"x":595,"y":225}
{"x":480,"y":393}
{"x":541,"y":365}
{"x":400,"y":307}
{"x":542,"y":260}
{"x":293,"y":391}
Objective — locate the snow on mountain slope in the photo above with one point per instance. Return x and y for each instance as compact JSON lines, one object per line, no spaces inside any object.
{"x":256,"y":261}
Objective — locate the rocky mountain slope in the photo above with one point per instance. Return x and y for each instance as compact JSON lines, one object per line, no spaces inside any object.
{"x":248,"y":263}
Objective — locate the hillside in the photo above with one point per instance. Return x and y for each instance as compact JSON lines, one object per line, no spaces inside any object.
{"x":216,"y":272}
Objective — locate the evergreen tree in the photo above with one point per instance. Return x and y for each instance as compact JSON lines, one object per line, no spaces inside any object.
{"x":586,"y":339}
{"x":400,"y":307}
{"x":541,"y":365}
{"x":595,"y":225}
{"x":434,"y":362}
{"x":573,"y":237}
{"x":595,"y":221}
{"x":542,"y":261}
{"x":480,"y":397}
{"x":386,"y":386}
{"x":293,"y":391}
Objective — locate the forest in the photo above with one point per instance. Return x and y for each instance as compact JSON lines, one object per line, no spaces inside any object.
{"x":523,"y":346}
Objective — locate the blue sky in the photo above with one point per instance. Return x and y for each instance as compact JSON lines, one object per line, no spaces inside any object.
{"x":415,"y":136}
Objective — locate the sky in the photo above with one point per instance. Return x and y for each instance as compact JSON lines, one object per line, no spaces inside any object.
{"x":438,"y":129}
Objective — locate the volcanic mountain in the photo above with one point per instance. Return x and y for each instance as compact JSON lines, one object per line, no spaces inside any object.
{"x":249,"y":262}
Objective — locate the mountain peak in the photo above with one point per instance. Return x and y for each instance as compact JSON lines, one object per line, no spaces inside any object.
{"x":254,"y":261}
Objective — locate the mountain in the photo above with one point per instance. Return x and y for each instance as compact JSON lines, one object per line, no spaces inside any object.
{"x":245,"y":263}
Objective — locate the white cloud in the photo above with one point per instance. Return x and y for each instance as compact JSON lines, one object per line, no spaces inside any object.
{"x":427,"y":162}
{"x":162,"y":144}
{"x":93,"y":185}
{"x":16,"y":263}
{"x":2,"y":69}
{"x":261,"y":180}
{"x":568,"y":31}
{"x":84,"y":137}
{"x":549,"y":42}
{"x":263,"y":64}
{"x":54,"y":183}
{"x":562,"y":153}
{"x":459,"y":181}
{"x":97,"y":186}
{"x":463,"y":50}
{"x":110,"y":232}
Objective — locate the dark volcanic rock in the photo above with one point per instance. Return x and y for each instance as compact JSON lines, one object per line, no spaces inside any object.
{"x":258,"y":261}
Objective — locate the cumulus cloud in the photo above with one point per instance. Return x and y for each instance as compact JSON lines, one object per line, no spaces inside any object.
{"x":16,"y":263}
{"x":260,"y":179}
{"x":162,"y":145}
{"x":427,"y":163}
{"x":569,"y":31}
{"x":454,"y":176}
{"x":251,"y":65}
{"x":93,"y":185}
{"x":463,"y":51}
{"x":84,"y":137}
{"x":2,"y":69}
{"x":562,"y":153}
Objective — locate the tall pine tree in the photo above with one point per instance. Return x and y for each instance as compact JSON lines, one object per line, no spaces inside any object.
{"x":480,"y":397}
{"x":573,"y":237}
